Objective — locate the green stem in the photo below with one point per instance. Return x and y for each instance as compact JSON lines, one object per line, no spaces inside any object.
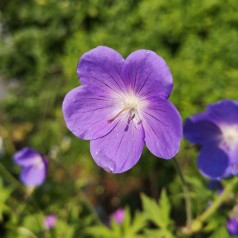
{"x":26,"y":200}
{"x":188,"y":206}
{"x":197,"y":223}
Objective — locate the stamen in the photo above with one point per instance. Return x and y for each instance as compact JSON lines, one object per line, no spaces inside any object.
{"x":131,"y":104}
{"x":133,"y":116}
{"x":118,"y":114}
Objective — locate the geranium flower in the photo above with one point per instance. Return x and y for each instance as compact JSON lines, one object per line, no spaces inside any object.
{"x":122,"y":105}
{"x":215,"y":185}
{"x":119,"y":215}
{"x":216,"y":130}
{"x":34,"y":166}
{"x":50,"y":221}
{"x":232,"y":226}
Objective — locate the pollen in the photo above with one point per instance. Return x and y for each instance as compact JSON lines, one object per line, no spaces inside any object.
{"x":132,"y":102}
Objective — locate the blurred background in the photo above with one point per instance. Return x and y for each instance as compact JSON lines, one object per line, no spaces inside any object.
{"x":40,"y":45}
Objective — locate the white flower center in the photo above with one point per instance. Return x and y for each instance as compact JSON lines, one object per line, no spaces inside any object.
{"x":130,"y":104}
{"x":38,"y":162}
{"x":230,"y":136}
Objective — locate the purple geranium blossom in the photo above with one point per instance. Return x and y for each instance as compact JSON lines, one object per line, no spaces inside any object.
{"x":50,"y":221}
{"x":216,"y":130}
{"x":122,"y":105}
{"x":232,"y":226}
{"x":118,"y":216}
{"x":34,"y":166}
{"x":216,"y":185}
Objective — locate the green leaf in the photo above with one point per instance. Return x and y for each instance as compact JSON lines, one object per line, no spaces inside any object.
{"x":131,"y":227}
{"x":158,"y":213}
{"x":101,"y":231}
{"x":220,"y":232}
{"x":165,"y":208}
{"x":159,"y":233}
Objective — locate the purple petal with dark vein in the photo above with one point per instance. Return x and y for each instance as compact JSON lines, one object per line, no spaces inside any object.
{"x":27,"y":157}
{"x":199,"y":129}
{"x":213,"y":161}
{"x":87,"y":112}
{"x":147,"y":74}
{"x":163,"y":128}
{"x":225,"y":111}
{"x":121,"y":149}
{"x":101,"y":67}
{"x":33,"y":175}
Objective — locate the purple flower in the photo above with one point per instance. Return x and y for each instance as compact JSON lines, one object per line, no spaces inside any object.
{"x":216,"y":130}
{"x":34,"y":166}
{"x":118,"y":216}
{"x":50,"y":221}
{"x":215,"y":185}
{"x":121,"y":106}
{"x":232,"y":226}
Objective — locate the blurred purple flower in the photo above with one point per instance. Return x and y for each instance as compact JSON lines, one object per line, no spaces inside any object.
{"x":232,"y":226}
{"x":121,"y":106}
{"x":50,"y":221}
{"x":34,"y":166}
{"x":216,"y":130}
{"x":118,"y":216}
{"x":215,"y":185}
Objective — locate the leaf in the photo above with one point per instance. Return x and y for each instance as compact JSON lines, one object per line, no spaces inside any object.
{"x":101,"y":231}
{"x":165,"y":208}
{"x":131,"y":227}
{"x":159,"y":233}
{"x":158,"y":213}
{"x":139,"y":222}
{"x":220,"y":232}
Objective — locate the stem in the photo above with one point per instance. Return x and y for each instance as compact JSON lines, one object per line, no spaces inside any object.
{"x":188,"y":206}
{"x":26,"y":200}
{"x":215,"y":205}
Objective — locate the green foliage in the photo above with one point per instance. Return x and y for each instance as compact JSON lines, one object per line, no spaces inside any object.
{"x":131,"y":227}
{"x":159,"y":214}
{"x":4,"y":195}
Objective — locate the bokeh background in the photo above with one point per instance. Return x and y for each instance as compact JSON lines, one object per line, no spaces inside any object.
{"x":41,"y":43}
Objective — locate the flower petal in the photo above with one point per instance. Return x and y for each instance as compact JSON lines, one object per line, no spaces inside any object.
{"x":199,"y":129}
{"x":212,"y":161}
{"x":146,"y":73}
{"x":27,"y":157}
{"x":232,"y":153}
{"x":163,"y":128}
{"x":121,"y":149}
{"x":33,"y":175}
{"x":225,"y":111}
{"x":87,"y":112}
{"x":101,"y":67}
